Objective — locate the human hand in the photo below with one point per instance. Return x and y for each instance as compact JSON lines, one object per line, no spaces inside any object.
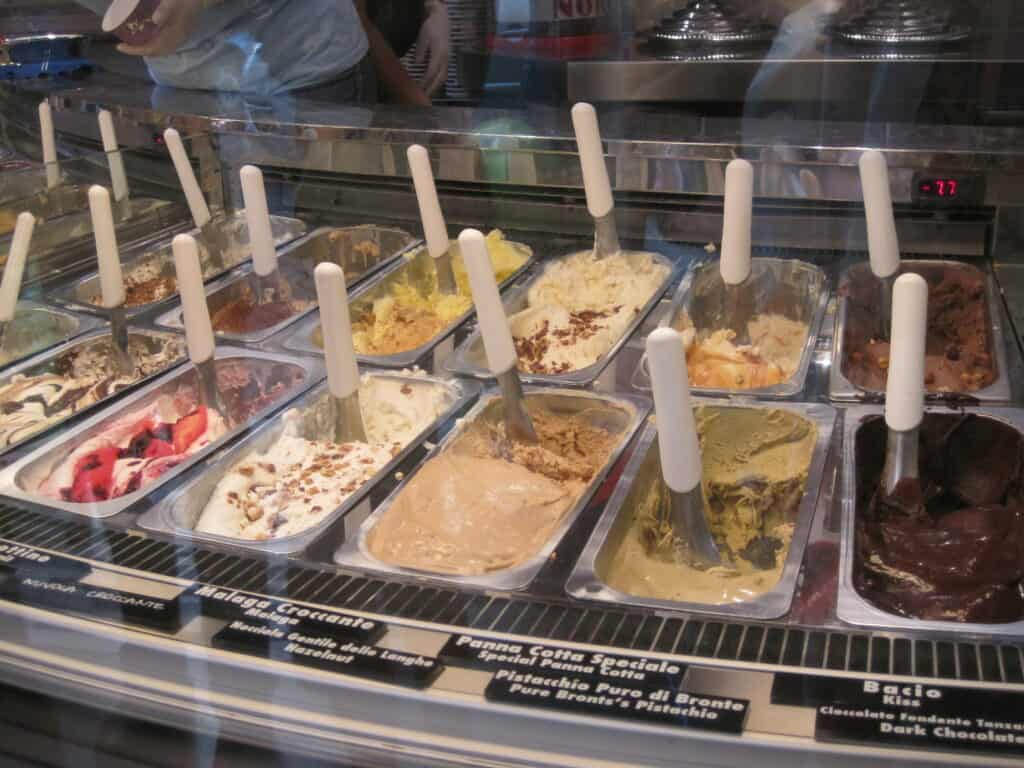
{"x":432,"y":46}
{"x":176,"y":20}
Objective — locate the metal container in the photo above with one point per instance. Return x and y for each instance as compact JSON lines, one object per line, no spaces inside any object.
{"x":69,"y":326}
{"x":417,"y":268}
{"x":842,"y":389}
{"x":851,"y":607}
{"x":54,"y":238}
{"x":361,"y":251}
{"x":47,"y":363}
{"x":297,"y":262}
{"x":587,"y":581}
{"x":85,"y":292}
{"x":180,"y":511}
{"x":794,"y":289}
{"x":235,"y":287}
{"x":620,"y":413}
{"x":20,"y":179}
{"x":471,"y":360}
{"x":18,"y":480}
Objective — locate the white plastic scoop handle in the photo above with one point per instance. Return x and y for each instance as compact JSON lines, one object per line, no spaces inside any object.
{"x":10,"y":287}
{"x":434,"y":229}
{"x":497,"y":336}
{"x":187,"y":177}
{"x":736,"y":222}
{"x":332,"y":295}
{"x":595,"y":172}
{"x":264,"y":257}
{"x":677,"y":429}
{"x":883,"y":244}
{"x":118,"y":177}
{"x":111,"y":279}
{"x":904,"y":391}
{"x":196,"y":314}
{"x":49,"y":145}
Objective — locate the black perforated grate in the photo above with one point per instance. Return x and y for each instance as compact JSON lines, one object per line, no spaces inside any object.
{"x":540,"y":618}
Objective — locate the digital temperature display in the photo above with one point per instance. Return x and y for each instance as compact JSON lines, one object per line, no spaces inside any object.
{"x":947,"y":187}
{"x":933,"y":188}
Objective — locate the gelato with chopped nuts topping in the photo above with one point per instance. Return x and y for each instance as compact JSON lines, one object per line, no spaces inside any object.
{"x":580,"y":307}
{"x":304,"y":476}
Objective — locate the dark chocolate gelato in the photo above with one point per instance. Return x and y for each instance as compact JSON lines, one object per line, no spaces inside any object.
{"x":956,"y":552}
{"x":959,"y":356}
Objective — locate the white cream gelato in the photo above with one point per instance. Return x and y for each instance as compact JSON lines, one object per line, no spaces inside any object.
{"x":301,"y":478}
{"x":580,"y":307}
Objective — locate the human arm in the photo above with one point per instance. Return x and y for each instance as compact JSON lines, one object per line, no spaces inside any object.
{"x":432,"y":46}
{"x":390,"y":72}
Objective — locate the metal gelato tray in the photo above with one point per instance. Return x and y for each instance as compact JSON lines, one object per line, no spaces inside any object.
{"x":851,"y":607}
{"x":235,"y":287}
{"x":180,"y":511}
{"x":361,"y":250}
{"x":792,"y":288}
{"x":297,"y":262}
{"x":54,"y":238}
{"x":470,"y":358}
{"x":20,"y":478}
{"x":21,"y":179}
{"x":46,"y":364}
{"x":643,"y":473}
{"x":843,"y":390}
{"x":417,"y":267}
{"x":620,"y":413}
{"x":84,"y":293}
{"x":68,"y":325}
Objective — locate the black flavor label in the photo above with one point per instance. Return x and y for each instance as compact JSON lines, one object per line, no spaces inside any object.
{"x":490,"y":654}
{"x":328,"y":653}
{"x":32,"y":588}
{"x":230,"y":604}
{"x":595,"y":696}
{"x":907,"y":714}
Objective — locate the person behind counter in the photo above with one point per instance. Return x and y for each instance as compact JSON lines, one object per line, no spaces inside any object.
{"x":313,"y":48}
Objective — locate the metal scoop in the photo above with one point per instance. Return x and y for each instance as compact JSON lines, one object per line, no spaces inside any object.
{"x":498,"y":343}
{"x":883,"y":243}
{"x":342,"y":367}
{"x":678,"y":446}
{"x":111,"y":278}
{"x":904,"y":392}
{"x":10,"y":287}
{"x":261,"y":237}
{"x":198,"y":329}
{"x":734,"y":264}
{"x":595,"y":180}
{"x":434,"y":230}
{"x":211,"y":233}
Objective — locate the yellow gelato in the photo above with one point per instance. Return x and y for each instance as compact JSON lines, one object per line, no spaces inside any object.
{"x":755,"y":464}
{"x":413,"y":311}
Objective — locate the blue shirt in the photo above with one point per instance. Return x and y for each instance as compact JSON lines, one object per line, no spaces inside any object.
{"x":262,"y":46}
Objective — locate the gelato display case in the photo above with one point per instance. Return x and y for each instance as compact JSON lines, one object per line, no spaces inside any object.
{"x":252,"y":575}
